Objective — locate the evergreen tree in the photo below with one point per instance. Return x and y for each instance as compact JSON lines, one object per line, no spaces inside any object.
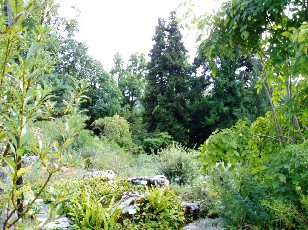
{"x":218,"y":102}
{"x":166,"y":89}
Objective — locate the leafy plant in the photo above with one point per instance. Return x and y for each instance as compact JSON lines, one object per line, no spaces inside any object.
{"x":116,"y":129}
{"x":161,"y":210}
{"x":178,"y":163}
{"x":23,"y":101}
{"x":94,"y":204}
{"x":87,"y":213}
{"x":156,"y":141}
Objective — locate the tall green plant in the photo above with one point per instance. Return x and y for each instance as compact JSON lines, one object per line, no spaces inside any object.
{"x":23,"y":101}
{"x":273,"y":148}
{"x":166,"y":89}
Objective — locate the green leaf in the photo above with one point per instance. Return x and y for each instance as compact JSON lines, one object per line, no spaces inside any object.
{"x":20,"y":152}
{"x":2,"y":134}
{"x":56,"y":145}
{"x":214,"y":71}
{"x":33,"y":49}
{"x":26,"y":138}
{"x":221,"y":167}
{"x":10,"y":162}
{"x":245,"y":34}
{"x":286,"y":34}
{"x":282,"y":178}
{"x":67,"y":142}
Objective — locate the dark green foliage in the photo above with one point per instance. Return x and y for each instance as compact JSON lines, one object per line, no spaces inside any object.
{"x":131,"y":81}
{"x":219,"y":101}
{"x":165,"y":95}
{"x":156,"y":141}
{"x":104,"y":98}
{"x":240,"y":197}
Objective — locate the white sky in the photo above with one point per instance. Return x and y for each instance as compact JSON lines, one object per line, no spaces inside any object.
{"x":124,"y":26}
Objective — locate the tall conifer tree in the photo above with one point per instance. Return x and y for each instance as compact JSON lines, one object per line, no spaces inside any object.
{"x":166,"y":90}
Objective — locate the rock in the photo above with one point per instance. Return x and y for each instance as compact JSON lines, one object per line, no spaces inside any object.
{"x":131,"y":200}
{"x":61,"y":223}
{"x":28,"y":160}
{"x":109,"y":174}
{"x":192,"y":209}
{"x":204,"y":224}
{"x":5,"y":188}
{"x":156,"y":181}
{"x":2,"y":149}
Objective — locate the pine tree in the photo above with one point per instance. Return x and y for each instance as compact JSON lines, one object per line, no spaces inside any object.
{"x":166,"y":89}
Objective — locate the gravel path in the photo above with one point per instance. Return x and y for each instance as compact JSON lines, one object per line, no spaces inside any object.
{"x":204,"y":224}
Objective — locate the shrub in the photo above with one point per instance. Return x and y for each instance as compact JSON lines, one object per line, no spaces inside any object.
{"x":238,"y":196}
{"x":156,"y":141}
{"x":178,"y":163}
{"x":116,"y":129}
{"x":102,"y":155}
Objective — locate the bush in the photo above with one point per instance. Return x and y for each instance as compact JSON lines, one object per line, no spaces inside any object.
{"x":156,"y":141}
{"x":116,"y":129}
{"x":239,"y":196}
{"x":102,"y":155}
{"x":178,"y":163}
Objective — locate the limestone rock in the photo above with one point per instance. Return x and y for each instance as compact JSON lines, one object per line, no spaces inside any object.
{"x":106,"y":173}
{"x":61,"y":223}
{"x":156,"y":181}
{"x":191,"y":209}
{"x":129,"y":202}
{"x":28,"y":160}
{"x":3,"y":215}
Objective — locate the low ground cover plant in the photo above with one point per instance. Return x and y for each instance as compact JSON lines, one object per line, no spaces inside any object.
{"x":94,"y":204}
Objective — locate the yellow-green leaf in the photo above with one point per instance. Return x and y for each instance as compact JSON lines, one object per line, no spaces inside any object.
{"x":22,"y":171}
{"x":26,"y":138}
{"x":286,"y":34}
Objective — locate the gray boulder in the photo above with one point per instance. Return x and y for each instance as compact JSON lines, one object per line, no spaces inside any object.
{"x":129,"y":202}
{"x":156,"y":181}
{"x":109,"y":174}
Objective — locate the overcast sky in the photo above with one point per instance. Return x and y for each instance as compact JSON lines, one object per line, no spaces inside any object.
{"x":124,"y":26}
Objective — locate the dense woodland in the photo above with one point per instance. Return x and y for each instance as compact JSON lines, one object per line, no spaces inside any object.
{"x":237,"y":114}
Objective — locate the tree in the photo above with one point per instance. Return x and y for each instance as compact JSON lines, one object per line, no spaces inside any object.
{"x":218,"y":102}
{"x":130,"y":79}
{"x":104,"y":96}
{"x":166,"y":89}
{"x":131,"y":82}
{"x":272,"y":151}
{"x":273,"y":32}
{"x":75,"y":63}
